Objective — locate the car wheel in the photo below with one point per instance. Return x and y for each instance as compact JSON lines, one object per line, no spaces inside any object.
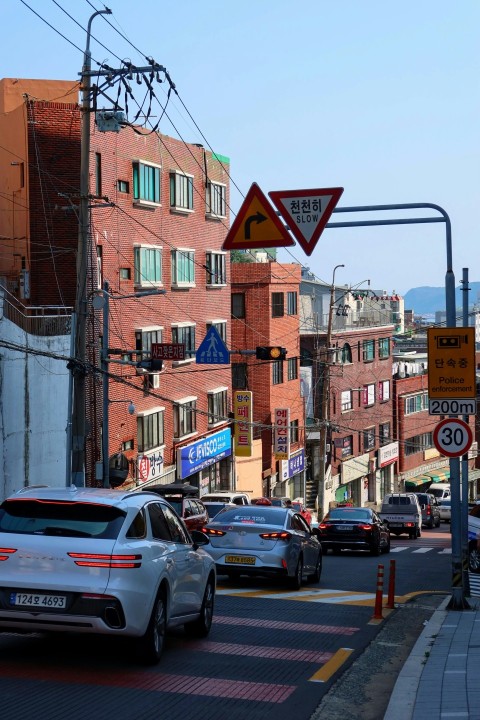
{"x":412,"y":534}
{"x":201,"y":627}
{"x":150,"y":646}
{"x":296,"y":580}
{"x":419,"y":532}
{"x":386,"y":549}
{"x":437,"y":524}
{"x":315,"y":577}
{"x":431,"y":523}
{"x":375,"y":548}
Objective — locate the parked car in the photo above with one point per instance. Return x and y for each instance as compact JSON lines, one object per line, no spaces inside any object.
{"x":354,"y":528}
{"x":445,"y":509}
{"x":264,"y":540}
{"x":430,"y":510}
{"x":184,"y":499}
{"x":279,"y":501}
{"x":300,"y":507}
{"x":104,"y":562}
{"x":237,"y":498}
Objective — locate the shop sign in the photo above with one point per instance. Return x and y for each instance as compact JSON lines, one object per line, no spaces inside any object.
{"x":149,"y":466}
{"x":203,"y":453}
{"x":355,"y":468}
{"x":388,"y":454}
{"x":294,"y":465}
{"x":281,"y":443}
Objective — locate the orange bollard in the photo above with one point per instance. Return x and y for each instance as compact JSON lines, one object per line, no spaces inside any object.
{"x":377,"y":615}
{"x":391,"y":586}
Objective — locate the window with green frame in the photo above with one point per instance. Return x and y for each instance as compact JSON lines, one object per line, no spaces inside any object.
{"x":383,"y":347}
{"x":181,"y":191}
{"x":147,"y":263}
{"x":183,"y":267}
{"x":146,"y":183}
{"x":368,"y":350}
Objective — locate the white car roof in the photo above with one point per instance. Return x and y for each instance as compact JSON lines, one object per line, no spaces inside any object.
{"x":72,"y":493}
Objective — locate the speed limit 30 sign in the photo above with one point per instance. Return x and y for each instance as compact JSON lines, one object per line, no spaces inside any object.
{"x":452,"y":437}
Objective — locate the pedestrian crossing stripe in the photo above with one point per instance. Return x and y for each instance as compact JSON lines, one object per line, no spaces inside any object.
{"x":319,"y":595}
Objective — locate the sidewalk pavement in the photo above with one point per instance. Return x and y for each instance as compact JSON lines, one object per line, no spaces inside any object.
{"x":440,"y":679}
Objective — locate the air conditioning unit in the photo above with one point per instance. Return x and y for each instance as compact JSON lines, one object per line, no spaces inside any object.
{"x":155,"y":381}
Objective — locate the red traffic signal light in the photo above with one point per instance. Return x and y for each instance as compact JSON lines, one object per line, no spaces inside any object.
{"x":271,"y":353}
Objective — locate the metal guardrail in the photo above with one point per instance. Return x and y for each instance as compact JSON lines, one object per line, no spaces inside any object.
{"x":43,"y":321}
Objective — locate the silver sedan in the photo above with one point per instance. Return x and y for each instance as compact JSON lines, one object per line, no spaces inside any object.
{"x":264,"y":540}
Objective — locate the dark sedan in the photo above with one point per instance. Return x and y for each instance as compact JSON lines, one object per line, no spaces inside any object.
{"x":354,"y":528}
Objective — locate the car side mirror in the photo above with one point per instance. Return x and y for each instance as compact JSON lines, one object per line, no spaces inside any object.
{"x":423,"y":506}
{"x":199,"y":539}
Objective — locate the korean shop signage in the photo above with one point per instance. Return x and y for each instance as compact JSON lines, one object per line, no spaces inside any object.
{"x":243,"y":418}
{"x":451,"y":364}
{"x":207,"y":451}
{"x":294,"y":465}
{"x":281,"y":445}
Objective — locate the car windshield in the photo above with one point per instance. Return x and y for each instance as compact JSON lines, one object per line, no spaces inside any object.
{"x":349,"y":514}
{"x":213,"y":508}
{"x":176,"y":503}
{"x":67,"y":519}
{"x":254,"y":515}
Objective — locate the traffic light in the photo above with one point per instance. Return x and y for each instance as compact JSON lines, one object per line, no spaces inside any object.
{"x":271,"y":353}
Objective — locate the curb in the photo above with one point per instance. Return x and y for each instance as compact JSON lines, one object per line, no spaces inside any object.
{"x":402,"y":700}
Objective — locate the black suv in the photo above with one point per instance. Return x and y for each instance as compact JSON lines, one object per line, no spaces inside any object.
{"x":430,"y":511}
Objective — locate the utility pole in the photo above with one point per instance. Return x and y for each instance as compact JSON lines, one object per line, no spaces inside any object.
{"x":325,"y":403}
{"x":79,"y":370}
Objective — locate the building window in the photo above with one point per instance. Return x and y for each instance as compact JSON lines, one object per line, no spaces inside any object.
{"x":98,"y":174}
{"x":277,"y":372}
{"x":277,"y":305}
{"x":123,"y":186}
{"x":294,"y":434}
{"x":416,"y":403}
{"x":368,"y":348}
{"x":144,"y":339}
{"x":347,"y":400}
{"x":238,"y":305}
{"x":216,"y":264}
{"x":239,"y":376}
{"x":292,"y":303}
{"x":221,"y":327}
{"x":369,"y":438}
{"x":183,"y":268}
{"x":418,"y":443}
{"x":216,"y":200}
{"x":368,"y":395}
{"x":383,"y":348}
{"x":147,"y":265}
{"x":384,"y":433}
{"x":181,"y":191}
{"x":150,"y":431}
{"x":383,"y":390}
{"x":292,"y":369}
{"x":127,"y":445}
{"x":146,"y":183}
{"x":217,"y":406}
{"x":184,"y":417}
{"x":185,"y":335}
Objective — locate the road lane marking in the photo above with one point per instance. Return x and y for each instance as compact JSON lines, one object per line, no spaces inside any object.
{"x":422,"y":550}
{"x":283,"y":625}
{"x":271,"y":653}
{"x":331,"y":667}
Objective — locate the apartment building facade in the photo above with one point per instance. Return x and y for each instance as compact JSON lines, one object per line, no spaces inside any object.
{"x":159,"y":215}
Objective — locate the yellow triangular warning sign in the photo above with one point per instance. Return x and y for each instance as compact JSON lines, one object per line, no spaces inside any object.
{"x":257,"y":225}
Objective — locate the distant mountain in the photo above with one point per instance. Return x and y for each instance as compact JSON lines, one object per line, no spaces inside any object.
{"x":427,"y":300}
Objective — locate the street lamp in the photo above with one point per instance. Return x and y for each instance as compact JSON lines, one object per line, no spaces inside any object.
{"x":325,"y":402}
{"x":102,"y":302}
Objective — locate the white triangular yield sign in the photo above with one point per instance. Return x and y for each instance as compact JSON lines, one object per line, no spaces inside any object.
{"x":306,"y":212}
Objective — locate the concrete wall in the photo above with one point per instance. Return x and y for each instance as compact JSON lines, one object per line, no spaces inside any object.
{"x":33,"y":409}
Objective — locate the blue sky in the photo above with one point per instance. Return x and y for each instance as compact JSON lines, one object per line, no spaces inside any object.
{"x":380,"y":98}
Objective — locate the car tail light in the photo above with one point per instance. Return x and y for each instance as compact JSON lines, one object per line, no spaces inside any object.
{"x":5,"y":553}
{"x":212,"y":532}
{"x":365,"y":527}
{"x":276,"y":536}
{"x":429,"y":510}
{"x":106,"y":561}
{"x":323,"y":526}
{"x":409,"y":524}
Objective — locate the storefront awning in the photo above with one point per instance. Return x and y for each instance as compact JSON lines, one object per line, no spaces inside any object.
{"x":430,"y":476}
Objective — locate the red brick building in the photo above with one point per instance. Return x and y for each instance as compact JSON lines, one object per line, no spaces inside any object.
{"x":159,"y":215}
{"x":265,"y":313}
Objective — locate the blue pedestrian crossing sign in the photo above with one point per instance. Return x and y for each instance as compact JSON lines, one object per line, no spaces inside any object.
{"x":212,"y":350}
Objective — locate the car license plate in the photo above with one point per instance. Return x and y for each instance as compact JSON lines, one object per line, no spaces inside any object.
{"x":40,"y":601}
{"x":240,"y":560}
{"x":394,"y":524}
{"x":345,"y":528}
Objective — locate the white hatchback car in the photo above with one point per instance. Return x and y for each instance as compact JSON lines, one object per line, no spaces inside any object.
{"x":105,"y":562}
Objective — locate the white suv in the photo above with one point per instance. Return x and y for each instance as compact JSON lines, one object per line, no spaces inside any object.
{"x":237,"y":498}
{"x":104,"y":562}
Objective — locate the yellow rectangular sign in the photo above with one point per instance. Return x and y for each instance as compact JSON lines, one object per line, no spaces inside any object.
{"x":451,"y":363}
